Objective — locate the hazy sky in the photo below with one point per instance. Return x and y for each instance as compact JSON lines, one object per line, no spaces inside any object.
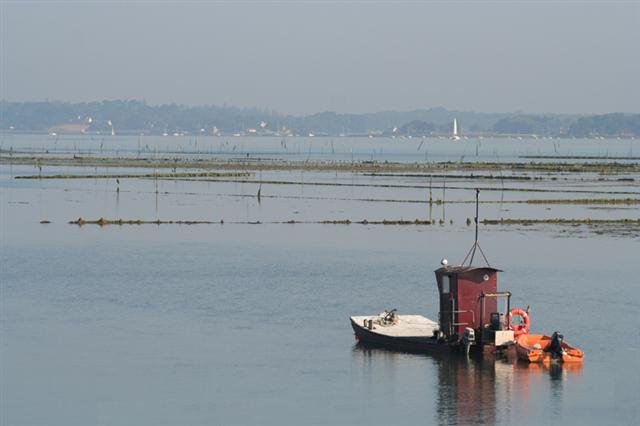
{"x":303,"y":57}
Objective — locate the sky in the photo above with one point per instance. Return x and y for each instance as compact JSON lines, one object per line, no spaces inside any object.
{"x":346,"y":56}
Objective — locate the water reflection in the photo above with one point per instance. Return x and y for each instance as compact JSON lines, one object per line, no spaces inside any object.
{"x":469,"y":390}
{"x":558,"y":375}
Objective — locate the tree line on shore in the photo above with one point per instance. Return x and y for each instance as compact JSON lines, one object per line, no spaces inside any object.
{"x":134,"y":117}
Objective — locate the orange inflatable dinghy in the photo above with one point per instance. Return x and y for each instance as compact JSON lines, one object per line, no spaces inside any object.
{"x":540,"y":348}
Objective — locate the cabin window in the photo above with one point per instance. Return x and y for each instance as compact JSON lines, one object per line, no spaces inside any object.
{"x":445,"y":284}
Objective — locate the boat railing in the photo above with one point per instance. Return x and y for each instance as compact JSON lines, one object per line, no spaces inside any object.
{"x":497,"y":295}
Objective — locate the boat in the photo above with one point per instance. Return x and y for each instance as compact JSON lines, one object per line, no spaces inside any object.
{"x":410,"y":333}
{"x":539,"y":348}
{"x":454,"y":135}
{"x":469,"y":318}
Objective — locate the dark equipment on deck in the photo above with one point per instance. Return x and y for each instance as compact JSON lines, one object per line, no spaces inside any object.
{"x":556,"y":345}
{"x":495,"y":322}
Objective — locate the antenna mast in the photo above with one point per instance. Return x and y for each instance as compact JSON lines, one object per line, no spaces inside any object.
{"x":476,"y":244}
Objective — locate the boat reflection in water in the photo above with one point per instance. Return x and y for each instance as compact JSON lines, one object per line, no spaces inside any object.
{"x":463,"y":390}
{"x":558,"y":374}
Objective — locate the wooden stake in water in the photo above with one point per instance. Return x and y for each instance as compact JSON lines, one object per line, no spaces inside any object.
{"x":444,"y":189}
{"x":476,"y":218}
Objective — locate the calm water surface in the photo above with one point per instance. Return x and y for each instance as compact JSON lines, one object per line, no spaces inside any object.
{"x":322,"y":148}
{"x":241,"y":325}
{"x":248,"y":324}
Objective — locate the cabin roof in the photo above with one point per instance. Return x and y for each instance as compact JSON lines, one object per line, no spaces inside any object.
{"x":460,"y":269}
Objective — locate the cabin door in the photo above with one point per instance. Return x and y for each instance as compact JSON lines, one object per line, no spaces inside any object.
{"x":447,"y":307}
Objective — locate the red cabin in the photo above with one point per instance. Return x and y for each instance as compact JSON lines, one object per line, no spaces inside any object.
{"x":468,"y":298}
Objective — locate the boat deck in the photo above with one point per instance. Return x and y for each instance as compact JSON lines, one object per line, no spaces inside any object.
{"x":403,"y":325}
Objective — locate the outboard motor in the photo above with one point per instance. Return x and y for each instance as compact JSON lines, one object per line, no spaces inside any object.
{"x":556,"y":345}
{"x":468,"y":339}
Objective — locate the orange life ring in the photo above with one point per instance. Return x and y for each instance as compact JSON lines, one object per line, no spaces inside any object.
{"x":518,"y":329}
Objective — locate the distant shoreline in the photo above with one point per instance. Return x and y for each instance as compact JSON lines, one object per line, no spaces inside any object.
{"x":137,"y":117}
